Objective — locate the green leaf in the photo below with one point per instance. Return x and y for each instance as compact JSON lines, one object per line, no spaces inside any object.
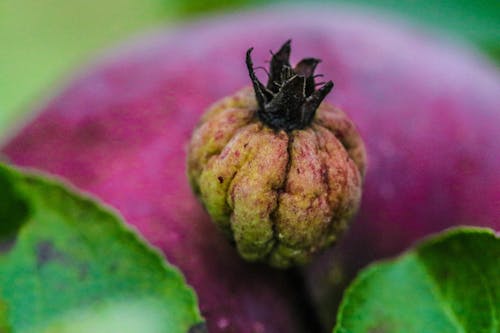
{"x":449,"y":283}
{"x":62,"y":253}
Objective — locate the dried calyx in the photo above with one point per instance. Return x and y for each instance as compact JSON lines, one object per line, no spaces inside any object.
{"x":290,"y":99}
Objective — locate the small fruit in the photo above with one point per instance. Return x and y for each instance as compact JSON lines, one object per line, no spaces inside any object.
{"x":279,"y":171}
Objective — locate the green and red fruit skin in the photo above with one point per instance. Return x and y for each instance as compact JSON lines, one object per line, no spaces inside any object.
{"x":429,"y":114}
{"x":278,"y":170}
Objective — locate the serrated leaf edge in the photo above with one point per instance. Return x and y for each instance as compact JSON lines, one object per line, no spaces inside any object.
{"x":99,"y":205}
{"x":374,"y":267}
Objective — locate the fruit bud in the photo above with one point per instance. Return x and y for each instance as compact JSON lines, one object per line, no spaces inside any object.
{"x":278,"y":170}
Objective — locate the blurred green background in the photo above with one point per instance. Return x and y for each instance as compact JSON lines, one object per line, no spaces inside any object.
{"x":43,"y":41}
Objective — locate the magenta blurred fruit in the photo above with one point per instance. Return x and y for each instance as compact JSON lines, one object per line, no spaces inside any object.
{"x":429,"y":113}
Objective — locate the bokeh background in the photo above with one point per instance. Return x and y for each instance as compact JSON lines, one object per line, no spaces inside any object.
{"x":42,"y":42}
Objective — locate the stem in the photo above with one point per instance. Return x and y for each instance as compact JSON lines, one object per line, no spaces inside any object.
{"x":307,"y":309}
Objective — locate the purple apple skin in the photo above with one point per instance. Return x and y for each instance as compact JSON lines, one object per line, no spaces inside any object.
{"x":429,"y":113}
